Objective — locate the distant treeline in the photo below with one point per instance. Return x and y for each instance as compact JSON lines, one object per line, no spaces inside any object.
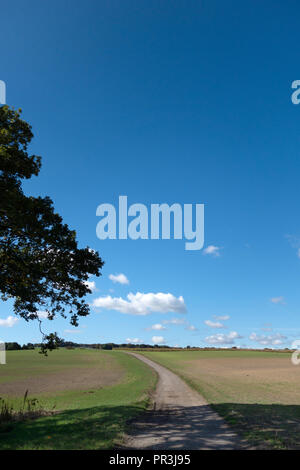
{"x":14,"y":346}
{"x":17,"y":347}
{"x":109,"y":346}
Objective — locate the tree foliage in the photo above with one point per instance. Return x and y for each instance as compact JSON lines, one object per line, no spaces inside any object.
{"x":41,"y":266}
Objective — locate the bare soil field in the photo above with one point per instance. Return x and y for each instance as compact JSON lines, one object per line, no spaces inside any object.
{"x":70,"y":370}
{"x":257,"y":393}
{"x":257,"y":380}
{"x":78,"y":378}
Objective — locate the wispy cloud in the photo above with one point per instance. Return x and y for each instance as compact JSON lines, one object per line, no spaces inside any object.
{"x":267,"y":327}
{"x":277,"y":300}
{"x":142,"y":304}
{"x":119,"y":278}
{"x":294,"y":241}
{"x":72,"y":331}
{"x":191,"y":327}
{"x":221,"y":317}
{"x":271,"y":340}
{"x":174,"y":321}
{"x":212,"y":250}
{"x":181,"y":321}
{"x":157,"y":327}
{"x":8,"y":322}
{"x":214,"y":324}
{"x":222,"y":338}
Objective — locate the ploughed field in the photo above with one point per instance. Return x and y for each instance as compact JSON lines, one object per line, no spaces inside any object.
{"x":258,"y":393}
{"x":84,"y":398}
{"x":61,"y":370}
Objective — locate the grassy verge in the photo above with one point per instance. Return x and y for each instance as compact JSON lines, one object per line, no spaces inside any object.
{"x":85,"y":419}
{"x":255,"y":392}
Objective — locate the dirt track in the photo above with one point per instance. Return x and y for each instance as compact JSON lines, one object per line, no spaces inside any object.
{"x":180,"y":419}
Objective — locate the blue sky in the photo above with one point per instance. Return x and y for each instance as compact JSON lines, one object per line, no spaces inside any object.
{"x":168,"y":102}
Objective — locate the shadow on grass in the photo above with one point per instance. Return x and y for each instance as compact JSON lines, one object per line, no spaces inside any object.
{"x":91,"y":428}
{"x":251,"y":426}
{"x":265,"y":426}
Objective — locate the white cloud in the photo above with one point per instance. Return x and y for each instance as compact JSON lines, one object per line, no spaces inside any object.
{"x":222,"y":317}
{"x":174,"y":321}
{"x":191,"y":328}
{"x":264,"y":340}
{"x":180,"y":321}
{"x":221,"y":338}
{"x":277,"y":300}
{"x":120,"y":278}
{"x":72,"y":331}
{"x":158,"y":339}
{"x":212,"y":250}
{"x":157,"y":326}
{"x":9,"y":321}
{"x":90,"y":285}
{"x":142,"y":304}
{"x":42,"y":314}
{"x":214,"y":324}
{"x":134,"y":340}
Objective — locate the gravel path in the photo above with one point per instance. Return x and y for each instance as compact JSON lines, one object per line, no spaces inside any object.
{"x":180,"y":419}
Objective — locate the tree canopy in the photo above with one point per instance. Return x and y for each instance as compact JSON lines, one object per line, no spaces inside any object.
{"x":41,"y":265}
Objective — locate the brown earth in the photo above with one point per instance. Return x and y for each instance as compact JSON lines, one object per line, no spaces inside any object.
{"x":76,"y":378}
{"x":246,"y":380}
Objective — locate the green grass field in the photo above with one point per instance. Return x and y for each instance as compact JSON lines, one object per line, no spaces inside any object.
{"x":92,"y":415}
{"x":257,"y":392}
